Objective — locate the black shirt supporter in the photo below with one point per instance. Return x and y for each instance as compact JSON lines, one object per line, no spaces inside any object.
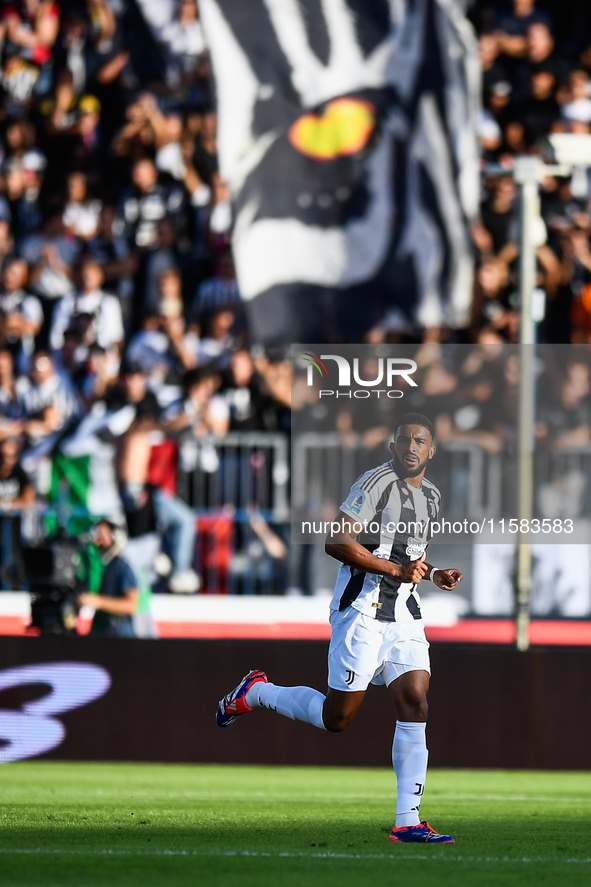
{"x":538,"y":117}
{"x":12,"y":487}
{"x":147,"y":407}
{"x":498,"y":224}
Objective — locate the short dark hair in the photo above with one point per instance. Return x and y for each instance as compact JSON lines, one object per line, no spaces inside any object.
{"x":415,"y":419}
{"x":201,"y":373}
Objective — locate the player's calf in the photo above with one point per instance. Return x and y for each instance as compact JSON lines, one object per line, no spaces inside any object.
{"x":340,"y":708}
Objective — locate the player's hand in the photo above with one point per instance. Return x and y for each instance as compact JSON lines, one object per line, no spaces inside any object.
{"x":412,"y":572}
{"x":447,"y":579}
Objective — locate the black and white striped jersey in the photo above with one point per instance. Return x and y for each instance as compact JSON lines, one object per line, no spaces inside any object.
{"x":394,"y":518}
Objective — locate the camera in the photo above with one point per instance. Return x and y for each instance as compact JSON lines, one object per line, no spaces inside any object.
{"x":51,"y":572}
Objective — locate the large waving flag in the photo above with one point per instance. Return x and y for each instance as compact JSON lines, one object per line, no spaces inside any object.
{"x":347,"y":136}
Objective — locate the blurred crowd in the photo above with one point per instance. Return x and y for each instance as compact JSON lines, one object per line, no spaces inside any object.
{"x":535,"y":57}
{"x":117,"y":285}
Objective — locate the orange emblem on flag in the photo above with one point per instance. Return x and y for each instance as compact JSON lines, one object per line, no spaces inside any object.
{"x":344,"y":128}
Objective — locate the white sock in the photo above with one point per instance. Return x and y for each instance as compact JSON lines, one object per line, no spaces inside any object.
{"x":297,"y":703}
{"x":409,"y":758}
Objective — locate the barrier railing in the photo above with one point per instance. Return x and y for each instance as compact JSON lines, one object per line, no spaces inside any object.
{"x":227,"y":480}
{"x":474,"y":483}
{"x":233,"y":483}
{"x":243,"y":469}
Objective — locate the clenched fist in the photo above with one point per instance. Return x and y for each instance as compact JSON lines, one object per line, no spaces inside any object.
{"x":412,"y":572}
{"x":447,"y":579}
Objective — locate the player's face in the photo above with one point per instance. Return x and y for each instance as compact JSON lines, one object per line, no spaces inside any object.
{"x":412,"y":448}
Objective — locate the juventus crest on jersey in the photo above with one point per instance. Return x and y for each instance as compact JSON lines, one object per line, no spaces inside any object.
{"x":395,"y":517}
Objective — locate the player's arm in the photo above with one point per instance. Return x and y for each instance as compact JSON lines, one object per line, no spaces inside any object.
{"x":341,"y":543}
{"x":444,"y":579}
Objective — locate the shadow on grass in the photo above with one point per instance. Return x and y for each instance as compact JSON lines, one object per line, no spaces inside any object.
{"x":66,"y":853}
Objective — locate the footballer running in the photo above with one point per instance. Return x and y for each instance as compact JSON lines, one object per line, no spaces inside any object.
{"x":377,"y":631}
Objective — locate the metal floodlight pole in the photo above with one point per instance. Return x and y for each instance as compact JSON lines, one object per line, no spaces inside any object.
{"x":527,"y":175}
{"x":568,"y":150}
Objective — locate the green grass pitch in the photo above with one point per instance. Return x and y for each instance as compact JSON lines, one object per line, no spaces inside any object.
{"x":106,"y":825}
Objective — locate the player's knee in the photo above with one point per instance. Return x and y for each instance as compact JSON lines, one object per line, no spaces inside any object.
{"x":422,"y":709}
{"x":414,"y":708}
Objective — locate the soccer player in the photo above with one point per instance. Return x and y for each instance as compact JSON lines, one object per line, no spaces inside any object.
{"x":378,"y":634}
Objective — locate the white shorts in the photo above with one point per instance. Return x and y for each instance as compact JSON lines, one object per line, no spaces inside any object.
{"x":363,"y":650}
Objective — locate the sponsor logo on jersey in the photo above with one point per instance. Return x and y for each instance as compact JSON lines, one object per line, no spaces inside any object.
{"x":415,"y":546}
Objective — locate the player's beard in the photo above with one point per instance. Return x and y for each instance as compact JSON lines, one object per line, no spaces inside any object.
{"x":404,"y":471}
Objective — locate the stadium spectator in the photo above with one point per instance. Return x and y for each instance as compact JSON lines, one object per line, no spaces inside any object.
{"x":540,"y":55}
{"x":17,"y":494}
{"x":12,"y":408}
{"x":6,"y":238}
{"x":251,"y":404}
{"x":513,"y":28}
{"x":51,"y":257}
{"x":221,"y":290}
{"x":183,"y":43}
{"x":16,"y":490}
{"x":493,"y":70}
{"x":498,"y":213}
{"x":98,"y":376}
{"x":148,"y":508}
{"x":49,"y":400}
{"x":23,"y":314}
{"x":81,"y":214}
{"x":50,"y":408}
{"x":146,"y":203}
{"x":22,"y":191}
{"x":218,"y":341}
{"x":95,"y":315}
{"x":132,"y":391}
{"x":163,"y":257}
{"x":579,"y":105}
{"x":540,"y":110}
{"x":118,"y":596}
{"x":203,"y":411}
{"x":33,"y":26}
{"x":564,"y":424}
{"x":205,"y":158}
{"x":164,"y":348}
{"x":119,"y":263}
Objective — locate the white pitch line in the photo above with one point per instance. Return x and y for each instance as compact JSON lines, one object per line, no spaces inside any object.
{"x":452,"y":796}
{"x":393,"y":856}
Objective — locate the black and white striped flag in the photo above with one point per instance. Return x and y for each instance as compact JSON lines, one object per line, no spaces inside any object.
{"x":347,"y":137}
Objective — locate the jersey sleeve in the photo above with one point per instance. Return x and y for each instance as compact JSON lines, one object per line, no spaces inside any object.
{"x":361,"y":503}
